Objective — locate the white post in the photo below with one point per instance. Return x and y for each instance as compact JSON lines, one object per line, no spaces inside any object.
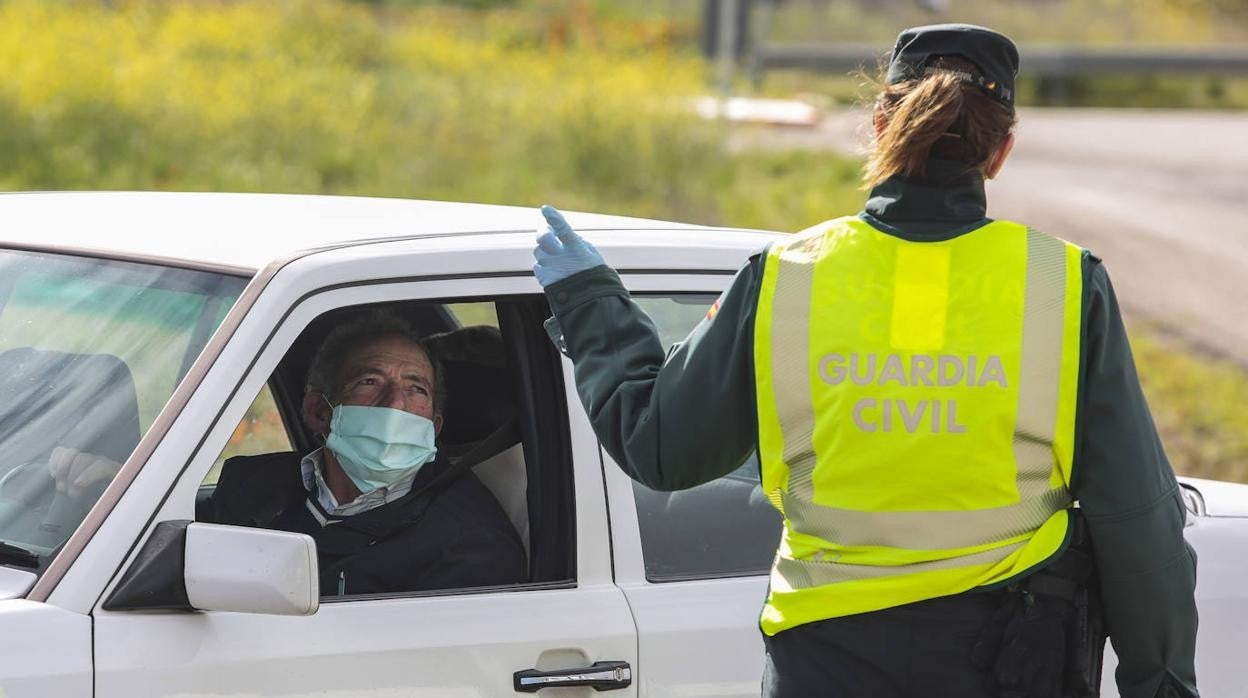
{"x":727,"y":41}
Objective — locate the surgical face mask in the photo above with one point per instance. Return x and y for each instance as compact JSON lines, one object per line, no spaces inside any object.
{"x":378,"y":446}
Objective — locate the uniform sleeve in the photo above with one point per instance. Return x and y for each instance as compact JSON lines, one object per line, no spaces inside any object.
{"x":670,"y":422}
{"x":1134,"y":510}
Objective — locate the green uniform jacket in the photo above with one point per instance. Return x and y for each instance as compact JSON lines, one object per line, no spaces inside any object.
{"x":679,"y":420}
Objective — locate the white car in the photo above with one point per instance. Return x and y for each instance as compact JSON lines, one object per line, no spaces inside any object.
{"x":142,"y":328}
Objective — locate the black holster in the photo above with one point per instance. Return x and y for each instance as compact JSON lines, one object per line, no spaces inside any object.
{"x":1086,"y":637}
{"x":1047,"y":639}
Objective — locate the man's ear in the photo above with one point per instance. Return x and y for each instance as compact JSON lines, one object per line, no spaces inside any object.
{"x":437,"y":424}
{"x":999,"y":157}
{"x":316,"y":412}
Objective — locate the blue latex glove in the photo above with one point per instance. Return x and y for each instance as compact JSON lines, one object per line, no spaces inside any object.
{"x":560,"y":252}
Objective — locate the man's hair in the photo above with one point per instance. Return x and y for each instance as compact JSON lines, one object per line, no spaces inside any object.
{"x":325,"y":373}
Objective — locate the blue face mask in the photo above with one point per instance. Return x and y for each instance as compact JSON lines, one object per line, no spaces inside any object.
{"x":378,"y":446}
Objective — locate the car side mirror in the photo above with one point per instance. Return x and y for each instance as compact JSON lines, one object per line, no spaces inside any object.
{"x":1193,"y":502}
{"x":189,"y":566}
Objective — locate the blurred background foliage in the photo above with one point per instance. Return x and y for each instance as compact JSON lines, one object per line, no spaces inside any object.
{"x":1197,"y":399}
{"x":1066,"y":22}
{"x":584,"y":103}
{"x":421,"y":101}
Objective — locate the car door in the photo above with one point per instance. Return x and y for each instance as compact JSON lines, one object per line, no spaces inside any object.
{"x":468,"y":642}
{"x":694,"y":563}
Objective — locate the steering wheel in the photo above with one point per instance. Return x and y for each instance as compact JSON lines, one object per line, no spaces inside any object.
{"x":65,"y":512}
{"x":36,"y":495}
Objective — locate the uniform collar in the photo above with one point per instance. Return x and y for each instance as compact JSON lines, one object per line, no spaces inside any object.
{"x":948,"y":194}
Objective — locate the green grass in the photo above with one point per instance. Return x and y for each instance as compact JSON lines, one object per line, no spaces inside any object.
{"x":1198,"y":403}
{"x":1101,"y":24}
{"x":1141,"y":91}
{"x":1086,"y":22}
{"x":1114,"y":91}
{"x":509,"y":106}
{"x":1079,"y":22}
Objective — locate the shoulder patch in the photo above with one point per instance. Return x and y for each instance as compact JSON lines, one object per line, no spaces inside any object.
{"x":713,"y":310}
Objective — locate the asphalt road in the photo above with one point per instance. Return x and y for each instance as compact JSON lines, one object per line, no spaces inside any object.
{"x":1160,"y":196}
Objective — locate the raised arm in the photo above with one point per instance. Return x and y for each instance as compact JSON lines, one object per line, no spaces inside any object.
{"x":671,"y":422}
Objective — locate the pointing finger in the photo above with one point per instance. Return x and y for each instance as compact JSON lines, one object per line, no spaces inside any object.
{"x":558,"y":224}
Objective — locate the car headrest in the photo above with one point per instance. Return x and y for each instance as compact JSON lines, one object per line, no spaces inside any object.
{"x":479,"y":397}
{"x":52,"y":398}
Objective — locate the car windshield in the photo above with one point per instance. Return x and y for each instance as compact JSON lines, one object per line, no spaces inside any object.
{"x":90,"y":351}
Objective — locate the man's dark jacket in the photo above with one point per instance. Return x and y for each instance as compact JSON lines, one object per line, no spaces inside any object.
{"x":441,"y":535}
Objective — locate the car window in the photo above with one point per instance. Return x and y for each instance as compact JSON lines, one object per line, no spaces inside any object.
{"x":90,"y":351}
{"x":261,"y":430}
{"x":722,"y":528}
{"x":386,"y":518}
{"x":676,"y":315}
{"x":467,"y":314}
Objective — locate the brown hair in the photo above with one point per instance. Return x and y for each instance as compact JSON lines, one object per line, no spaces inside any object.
{"x":937,"y":115}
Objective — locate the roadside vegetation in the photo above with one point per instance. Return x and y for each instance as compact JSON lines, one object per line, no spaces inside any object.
{"x":584,"y":104}
{"x":1097,"y":23}
{"x":1198,"y":402}
{"x":1092,"y":24}
{"x":428,"y":102}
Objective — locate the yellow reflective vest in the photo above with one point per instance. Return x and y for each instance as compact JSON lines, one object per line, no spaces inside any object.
{"x":916,"y":405}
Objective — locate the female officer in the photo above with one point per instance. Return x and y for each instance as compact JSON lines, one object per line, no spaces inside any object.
{"x":929,"y":391}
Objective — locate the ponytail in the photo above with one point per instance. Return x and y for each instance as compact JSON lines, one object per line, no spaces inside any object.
{"x":940,"y":115}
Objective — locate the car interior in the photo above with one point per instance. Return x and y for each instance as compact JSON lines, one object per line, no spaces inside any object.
{"x":52,"y":398}
{"x":90,"y":349}
{"x":503,"y":416}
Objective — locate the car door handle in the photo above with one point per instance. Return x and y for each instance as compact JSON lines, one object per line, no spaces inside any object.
{"x":602,"y":676}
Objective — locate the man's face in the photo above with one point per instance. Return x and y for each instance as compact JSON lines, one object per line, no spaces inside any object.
{"x":389,"y":371}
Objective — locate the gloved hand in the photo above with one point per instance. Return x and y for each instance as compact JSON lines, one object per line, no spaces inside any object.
{"x":560,"y":252}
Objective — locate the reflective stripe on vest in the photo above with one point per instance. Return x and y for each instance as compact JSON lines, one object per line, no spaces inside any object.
{"x":916,"y":412}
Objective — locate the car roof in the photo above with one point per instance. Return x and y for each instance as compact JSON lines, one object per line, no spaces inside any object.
{"x":244,"y":232}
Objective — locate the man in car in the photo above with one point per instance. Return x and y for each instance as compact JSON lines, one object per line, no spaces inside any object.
{"x":387,"y":512}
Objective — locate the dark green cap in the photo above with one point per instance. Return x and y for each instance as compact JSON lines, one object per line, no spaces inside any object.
{"x":993,"y":53}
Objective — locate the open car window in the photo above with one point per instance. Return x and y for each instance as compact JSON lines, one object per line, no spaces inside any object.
{"x":90,"y":351}
{"x":501,"y":416}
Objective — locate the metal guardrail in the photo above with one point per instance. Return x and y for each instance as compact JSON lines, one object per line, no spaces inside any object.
{"x":1038,"y":60}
